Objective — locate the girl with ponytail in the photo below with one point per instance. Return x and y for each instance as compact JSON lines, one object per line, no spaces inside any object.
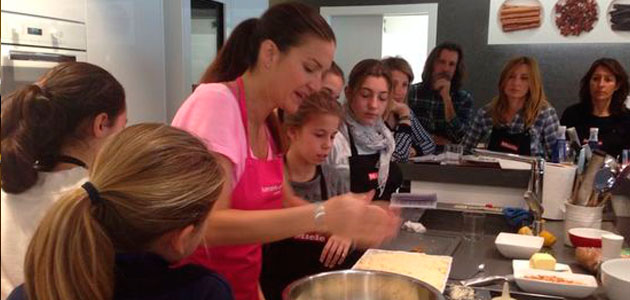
{"x":51,"y":131}
{"x":273,"y":62}
{"x":145,"y":206}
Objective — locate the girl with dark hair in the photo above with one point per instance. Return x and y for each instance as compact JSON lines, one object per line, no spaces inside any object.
{"x":266,"y":65}
{"x":603,"y":90}
{"x":363,"y":150}
{"x":51,"y":131}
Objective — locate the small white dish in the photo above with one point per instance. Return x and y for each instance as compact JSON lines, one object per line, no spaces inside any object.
{"x":513,"y":245}
{"x":582,"y":286}
{"x":521,"y":265}
{"x":616,"y":278}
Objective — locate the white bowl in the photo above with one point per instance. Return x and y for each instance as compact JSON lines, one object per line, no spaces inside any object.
{"x":616,"y":278}
{"x":513,"y":245}
{"x":587,"y":284}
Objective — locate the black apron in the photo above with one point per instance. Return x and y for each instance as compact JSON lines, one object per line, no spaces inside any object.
{"x":291,"y":259}
{"x":364,"y":173}
{"x":515,"y":143}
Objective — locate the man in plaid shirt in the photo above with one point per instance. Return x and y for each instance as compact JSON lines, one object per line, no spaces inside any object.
{"x":442,"y":107}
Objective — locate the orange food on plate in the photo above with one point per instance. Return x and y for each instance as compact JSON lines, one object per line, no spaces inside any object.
{"x":554,"y":279}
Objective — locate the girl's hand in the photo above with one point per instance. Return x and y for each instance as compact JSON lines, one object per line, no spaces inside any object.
{"x":335,"y":251}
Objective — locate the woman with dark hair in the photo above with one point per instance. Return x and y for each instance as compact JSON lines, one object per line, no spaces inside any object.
{"x":51,"y":131}
{"x":411,"y":138}
{"x":364,"y":147}
{"x":603,"y":90}
{"x":266,"y":65}
{"x":520,"y":119}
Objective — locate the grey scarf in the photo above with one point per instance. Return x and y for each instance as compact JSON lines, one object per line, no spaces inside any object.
{"x":375,"y":138}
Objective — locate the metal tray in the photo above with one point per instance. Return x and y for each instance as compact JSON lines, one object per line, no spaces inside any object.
{"x":433,"y":242}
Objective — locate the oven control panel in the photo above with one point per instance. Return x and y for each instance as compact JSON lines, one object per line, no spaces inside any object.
{"x":25,"y":30}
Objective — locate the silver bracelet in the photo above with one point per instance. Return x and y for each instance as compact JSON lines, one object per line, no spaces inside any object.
{"x":318,"y":215}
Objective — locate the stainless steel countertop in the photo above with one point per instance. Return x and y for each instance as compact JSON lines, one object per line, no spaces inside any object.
{"x":469,"y":255}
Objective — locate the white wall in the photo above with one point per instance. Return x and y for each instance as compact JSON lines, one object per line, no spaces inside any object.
{"x":145,"y":44}
{"x":407,"y":36}
{"x":203,"y":42}
{"x":358,"y":37}
{"x":126,"y":37}
{"x":359,"y":31}
{"x":177,"y":52}
{"x":238,"y":11}
{"x":178,"y":40}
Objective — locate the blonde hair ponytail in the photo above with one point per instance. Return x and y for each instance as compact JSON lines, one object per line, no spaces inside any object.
{"x":151,"y":179}
{"x":69,"y":254}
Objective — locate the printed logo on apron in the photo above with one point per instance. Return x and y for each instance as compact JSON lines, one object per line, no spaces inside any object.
{"x":277,"y":188}
{"x":510,"y":146}
{"x":312,"y":236}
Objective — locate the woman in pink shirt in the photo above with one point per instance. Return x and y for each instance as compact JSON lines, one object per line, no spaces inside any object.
{"x":268,"y":63}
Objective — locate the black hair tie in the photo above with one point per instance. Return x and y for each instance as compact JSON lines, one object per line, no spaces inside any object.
{"x":92,"y":192}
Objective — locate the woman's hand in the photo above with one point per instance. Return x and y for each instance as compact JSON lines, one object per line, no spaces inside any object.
{"x":353,"y":216}
{"x":412,"y":152}
{"x":401,"y":110}
{"x":335,"y":251}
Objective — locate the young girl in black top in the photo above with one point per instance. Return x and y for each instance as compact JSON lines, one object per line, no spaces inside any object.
{"x":311,"y":132}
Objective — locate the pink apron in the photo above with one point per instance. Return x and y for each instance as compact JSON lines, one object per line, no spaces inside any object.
{"x":259,"y":188}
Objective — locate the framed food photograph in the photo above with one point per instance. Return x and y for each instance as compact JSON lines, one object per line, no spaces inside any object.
{"x":558,"y":21}
{"x":618,"y":17}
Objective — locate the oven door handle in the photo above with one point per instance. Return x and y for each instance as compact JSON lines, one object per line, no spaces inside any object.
{"x":41,"y":56}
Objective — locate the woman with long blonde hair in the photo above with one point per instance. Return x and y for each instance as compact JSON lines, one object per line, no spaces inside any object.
{"x":520,"y":120}
{"x":145,"y":206}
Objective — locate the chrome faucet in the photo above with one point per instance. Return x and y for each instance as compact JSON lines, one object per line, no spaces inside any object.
{"x":534,"y":194}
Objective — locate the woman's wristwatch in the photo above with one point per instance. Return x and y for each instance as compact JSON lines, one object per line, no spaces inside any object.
{"x":404,"y":118}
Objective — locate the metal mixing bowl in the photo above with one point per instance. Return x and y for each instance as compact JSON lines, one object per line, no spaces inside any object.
{"x":360,"y":285}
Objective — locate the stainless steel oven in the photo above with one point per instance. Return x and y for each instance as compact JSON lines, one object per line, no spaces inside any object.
{"x":31,"y":45}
